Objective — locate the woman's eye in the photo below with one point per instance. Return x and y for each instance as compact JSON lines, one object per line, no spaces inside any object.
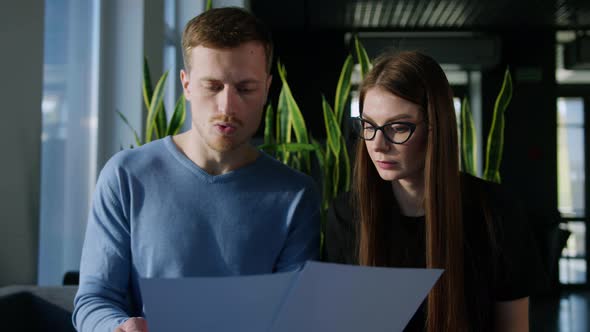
{"x":369,"y":127}
{"x":399,"y":128}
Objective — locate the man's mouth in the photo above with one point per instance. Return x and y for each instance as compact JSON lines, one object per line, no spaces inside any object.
{"x":226,"y":128}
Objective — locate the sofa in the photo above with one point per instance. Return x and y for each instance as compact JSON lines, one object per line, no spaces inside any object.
{"x":36,"y":308}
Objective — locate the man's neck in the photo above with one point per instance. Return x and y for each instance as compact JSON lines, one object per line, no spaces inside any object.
{"x":211,"y":161}
{"x":409,"y":194}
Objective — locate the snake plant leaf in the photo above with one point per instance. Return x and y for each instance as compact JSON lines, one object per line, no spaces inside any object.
{"x":296,"y":164}
{"x":268,"y":125}
{"x":335,"y":177}
{"x":334,"y":145}
{"x":345,"y":166}
{"x":288,"y":147}
{"x":332,"y":128}
{"x":284,"y":125}
{"x":147,"y":97}
{"x":468,"y":139}
{"x":155,"y":106}
{"x":328,"y":180}
{"x":178,"y":116}
{"x":362,"y":57}
{"x":343,"y":88}
{"x":320,"y":152}
{"x":295,"y":116}
{"x":147,"y":89}
{"x":209,"y":5}
{"x":137,"y":140}
{"x":160,"y":129}
{"x":495,"y":144}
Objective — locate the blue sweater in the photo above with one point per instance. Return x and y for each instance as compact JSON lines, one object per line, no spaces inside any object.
{"x":155,"y":214}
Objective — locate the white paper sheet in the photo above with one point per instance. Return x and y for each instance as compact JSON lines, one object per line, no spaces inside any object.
{"x":319,"y":297}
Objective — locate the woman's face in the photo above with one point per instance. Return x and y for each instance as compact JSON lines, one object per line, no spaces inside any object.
{"x":395,"y":161}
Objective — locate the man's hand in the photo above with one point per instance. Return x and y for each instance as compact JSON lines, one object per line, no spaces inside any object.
{"x":133,"y":324}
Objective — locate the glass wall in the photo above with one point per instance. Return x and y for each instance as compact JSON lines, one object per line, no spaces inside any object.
{"x":68,"y":136}
{"x":571,"y":187}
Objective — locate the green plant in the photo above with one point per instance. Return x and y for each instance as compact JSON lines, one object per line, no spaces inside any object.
{"x":286,"y":136}
{"x":156,"y":123}
{"x":495,"y":139}
{"x":285,"y":133}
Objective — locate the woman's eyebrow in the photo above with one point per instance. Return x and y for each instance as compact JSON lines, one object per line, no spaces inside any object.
{"x":392,"y":119}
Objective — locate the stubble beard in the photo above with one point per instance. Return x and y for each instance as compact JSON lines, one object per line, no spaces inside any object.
{"x":224,"y":144}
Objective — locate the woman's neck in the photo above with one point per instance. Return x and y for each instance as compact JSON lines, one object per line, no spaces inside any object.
{"x":409,"y":195}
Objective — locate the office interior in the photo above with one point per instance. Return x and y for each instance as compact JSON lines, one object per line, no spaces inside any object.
{"x":71,"y":66}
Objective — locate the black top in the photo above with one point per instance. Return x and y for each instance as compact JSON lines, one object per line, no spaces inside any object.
{"x":500,"y":267}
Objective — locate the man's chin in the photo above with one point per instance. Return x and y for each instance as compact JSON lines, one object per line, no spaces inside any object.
{"x":224,"y":145}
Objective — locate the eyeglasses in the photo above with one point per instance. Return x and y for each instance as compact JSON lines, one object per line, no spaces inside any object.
{"x":397,"y":132}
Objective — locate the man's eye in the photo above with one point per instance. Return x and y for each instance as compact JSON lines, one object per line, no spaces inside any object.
{"x":245,"y":90}
{"x":214,"y":87}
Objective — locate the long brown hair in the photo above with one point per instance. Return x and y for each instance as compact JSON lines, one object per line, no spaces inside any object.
{"x":419,"y":79}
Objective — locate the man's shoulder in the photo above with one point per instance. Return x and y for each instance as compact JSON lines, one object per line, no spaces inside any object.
{"x":135,"y":161}
{"x":274,"y":170}
{"x":133,"y":157}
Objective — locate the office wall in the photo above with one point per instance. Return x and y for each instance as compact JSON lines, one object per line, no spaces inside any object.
{"x":21,"y":65}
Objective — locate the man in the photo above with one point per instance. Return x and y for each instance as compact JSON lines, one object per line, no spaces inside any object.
{"x":202,"y":203}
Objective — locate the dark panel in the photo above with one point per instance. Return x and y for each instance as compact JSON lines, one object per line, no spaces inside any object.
{"x":425,"y":14}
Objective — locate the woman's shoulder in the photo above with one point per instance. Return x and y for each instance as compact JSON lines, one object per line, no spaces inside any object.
{"x":495,"y":196}
{"x":340,"y":231}
{"x":514,"y":261}
{"x":342,"y":206}
{"x":472,"y":184}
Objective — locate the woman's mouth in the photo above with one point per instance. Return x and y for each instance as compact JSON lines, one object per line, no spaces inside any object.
{"x":383,"y":164}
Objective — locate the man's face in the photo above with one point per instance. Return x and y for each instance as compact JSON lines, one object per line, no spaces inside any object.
{"x":227,"y":89}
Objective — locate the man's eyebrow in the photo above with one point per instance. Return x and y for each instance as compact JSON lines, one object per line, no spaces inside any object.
{"x":242,"y":82}
{"x":209,"y":79}
{"x":248,"y":81}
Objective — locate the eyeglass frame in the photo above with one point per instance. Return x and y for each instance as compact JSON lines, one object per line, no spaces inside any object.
{"x":411,"y":125}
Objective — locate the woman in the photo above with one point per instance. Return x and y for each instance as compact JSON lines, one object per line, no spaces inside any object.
{"x":413,"y":208}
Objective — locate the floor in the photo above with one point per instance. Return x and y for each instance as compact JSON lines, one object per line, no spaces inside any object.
{"x":567,"y":312}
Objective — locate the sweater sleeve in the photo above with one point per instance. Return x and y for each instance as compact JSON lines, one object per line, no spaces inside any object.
{"x":303,"y":238}
{"x":101,"y":303}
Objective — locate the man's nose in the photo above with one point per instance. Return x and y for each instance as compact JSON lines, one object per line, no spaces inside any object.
{"x":226,"y":100}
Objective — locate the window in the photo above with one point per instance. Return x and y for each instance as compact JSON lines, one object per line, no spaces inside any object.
{"x":87,"y":42}
{"x":571,"y":164}
{"x":68,"y":136}
{"x":571,"y":187}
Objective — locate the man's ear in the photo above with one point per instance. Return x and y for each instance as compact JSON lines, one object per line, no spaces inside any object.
{"x":185,"y":81}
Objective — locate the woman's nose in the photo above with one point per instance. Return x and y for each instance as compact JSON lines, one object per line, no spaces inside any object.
{"x":380,"y":144}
